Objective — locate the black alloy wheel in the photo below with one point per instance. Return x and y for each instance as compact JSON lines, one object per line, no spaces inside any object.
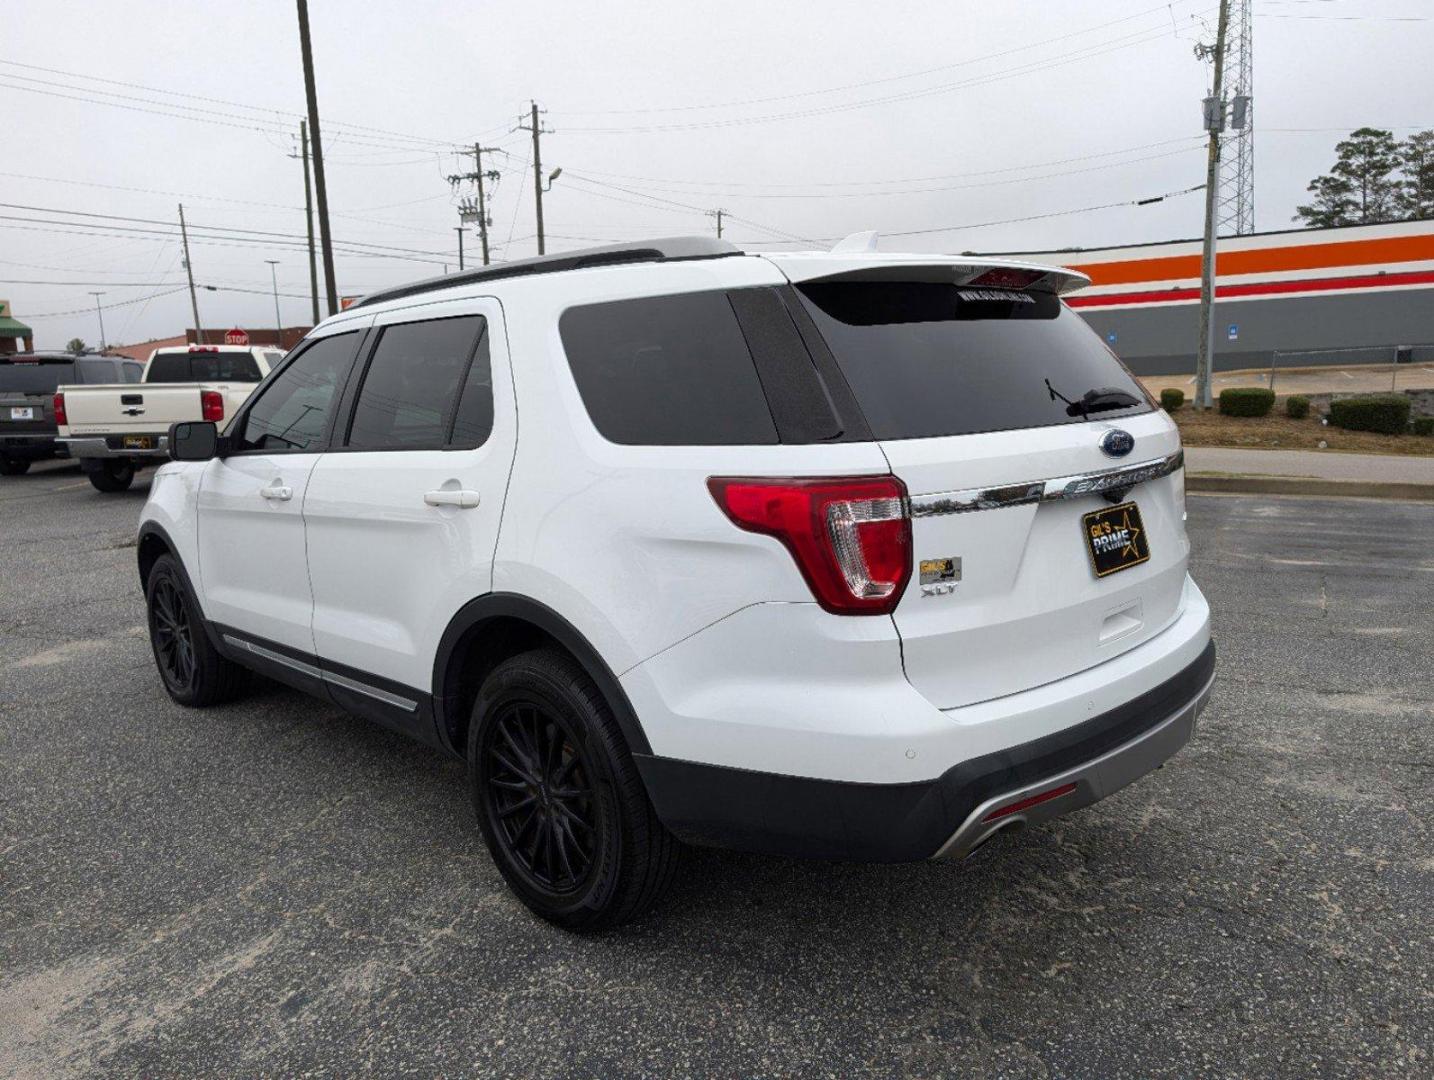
{"x":190,"y":666}
{"x":559,"y":798}
{"x":542,"y":804}
{"x":172,"y":632}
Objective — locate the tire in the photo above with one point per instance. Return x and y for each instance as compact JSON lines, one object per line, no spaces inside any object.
{"x":14,"y":466}
{"x":193,"y":672}
{"x":112,"y":476}
{"x":559,"y":799}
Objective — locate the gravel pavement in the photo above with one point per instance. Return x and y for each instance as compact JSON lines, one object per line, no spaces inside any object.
{"x":274,"y":888}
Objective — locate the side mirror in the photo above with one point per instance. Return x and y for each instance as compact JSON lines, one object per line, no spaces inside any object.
{"x":193,"y":440}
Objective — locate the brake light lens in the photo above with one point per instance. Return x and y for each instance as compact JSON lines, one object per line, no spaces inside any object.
{"x":850,"y":537}
{"x":60,"y":417}
{"x":211,"y":405}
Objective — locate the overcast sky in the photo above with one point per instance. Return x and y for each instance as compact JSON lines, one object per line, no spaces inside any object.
{"x":807,"y":119}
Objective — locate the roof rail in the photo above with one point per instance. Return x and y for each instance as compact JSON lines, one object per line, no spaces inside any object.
{"x":670,"y":249}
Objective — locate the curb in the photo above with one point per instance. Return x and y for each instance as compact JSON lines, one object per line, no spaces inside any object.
{"x":1304,"y":485}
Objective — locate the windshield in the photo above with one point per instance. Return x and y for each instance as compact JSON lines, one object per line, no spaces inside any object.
{"x":926,"y":359}
{"x":34,"y":378}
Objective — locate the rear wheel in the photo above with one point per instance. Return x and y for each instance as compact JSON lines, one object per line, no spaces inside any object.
{"x":559,"y":799}
{"x":14,"y":466}
{"x":191,"y":668}
{"x":112,"y":476}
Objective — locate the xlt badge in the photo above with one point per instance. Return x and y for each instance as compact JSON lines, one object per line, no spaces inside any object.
{"x":939,"y":576}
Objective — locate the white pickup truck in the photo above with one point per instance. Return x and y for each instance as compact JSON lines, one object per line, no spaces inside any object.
{"x":118,"y":428}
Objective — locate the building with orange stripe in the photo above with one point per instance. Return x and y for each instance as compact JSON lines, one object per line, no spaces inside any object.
{"x":1303,"y":293}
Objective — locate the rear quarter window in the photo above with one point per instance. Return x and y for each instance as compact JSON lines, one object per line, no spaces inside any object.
{"x":927,"y":359}
{"x":667,"y":371}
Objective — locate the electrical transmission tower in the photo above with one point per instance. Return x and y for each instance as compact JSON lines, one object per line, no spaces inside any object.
{"x":1237,"y":162}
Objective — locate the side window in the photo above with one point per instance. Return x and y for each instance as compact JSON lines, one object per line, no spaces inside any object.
{"x":97,"y":371}
{"x":411,"y":387}
{"x":667,"y":371}
{"x":474,"y":422}
{"x":132,"y":372}
{"x":294,"y":409}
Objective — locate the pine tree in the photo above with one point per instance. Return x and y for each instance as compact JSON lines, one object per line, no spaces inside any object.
{"x":1417,"y":156}
{"x":1363,"y":188}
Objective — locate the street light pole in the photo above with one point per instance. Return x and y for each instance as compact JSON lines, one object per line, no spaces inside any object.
{"x":100,"y":312}
{"x":278,"y":322}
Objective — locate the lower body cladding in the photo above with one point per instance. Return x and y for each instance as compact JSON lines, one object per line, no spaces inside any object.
{"x":841,"y":762}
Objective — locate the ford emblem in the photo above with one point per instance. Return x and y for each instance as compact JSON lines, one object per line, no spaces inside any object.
{"x":1117,"y":443}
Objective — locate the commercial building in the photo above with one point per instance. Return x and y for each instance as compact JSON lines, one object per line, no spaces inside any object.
{"x":285,"y":339}
{"x":1360,"y":294}
{"x":15,"y":336}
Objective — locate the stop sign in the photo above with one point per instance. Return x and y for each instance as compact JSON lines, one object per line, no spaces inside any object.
{"x":236,"y":337}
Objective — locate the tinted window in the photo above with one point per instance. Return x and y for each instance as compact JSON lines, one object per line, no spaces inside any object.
{"x":927,"y":358}
{"x":667,"y":370}
{"x":97,"y":371}
{"x":203,"y":367}
{"x":411,"y":387}
{"x":292,"y":411}
{"x":474,"y":422}
{"x":132,"y":373}
{"x":25,"y":378}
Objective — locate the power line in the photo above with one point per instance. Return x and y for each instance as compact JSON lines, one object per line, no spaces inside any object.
{"x":1159,"y":8}
{"x":1061,"y":60}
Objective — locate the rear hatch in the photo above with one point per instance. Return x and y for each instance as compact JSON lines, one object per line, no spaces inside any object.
{"x":27,"y":393}
{"x":977,"y":396}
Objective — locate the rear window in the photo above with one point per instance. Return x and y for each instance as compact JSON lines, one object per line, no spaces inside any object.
{"x":928,"y":358}
{"x":33,"y":378}
{"x":203,"y":367}
{"x":667,"y":371}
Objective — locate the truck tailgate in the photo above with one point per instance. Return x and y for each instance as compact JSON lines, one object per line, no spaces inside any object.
{"x":129,"y":407}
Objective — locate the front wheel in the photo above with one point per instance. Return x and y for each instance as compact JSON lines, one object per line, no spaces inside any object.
{"x":190,"y":666}
{"x":112,"y":476}
{"x":14,"y":466}
{"x":559,"y":799}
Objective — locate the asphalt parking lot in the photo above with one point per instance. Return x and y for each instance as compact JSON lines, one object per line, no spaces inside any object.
{"x":273,"y":888}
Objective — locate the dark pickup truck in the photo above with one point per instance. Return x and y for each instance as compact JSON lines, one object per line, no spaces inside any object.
{"x":27,"y":400}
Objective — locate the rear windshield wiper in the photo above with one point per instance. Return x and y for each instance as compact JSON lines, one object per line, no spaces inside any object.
{"x":1098,"y":400}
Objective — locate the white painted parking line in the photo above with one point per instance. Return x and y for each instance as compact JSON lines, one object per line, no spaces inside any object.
{"x":1347,"y":375}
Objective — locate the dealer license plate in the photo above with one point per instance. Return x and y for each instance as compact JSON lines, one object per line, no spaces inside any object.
{"x":1116,"y":538}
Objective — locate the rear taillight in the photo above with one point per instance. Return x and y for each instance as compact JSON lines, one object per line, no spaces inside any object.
{"x":851,"y":537}
{"x":60,"y":417}
{"x":211,"y":405}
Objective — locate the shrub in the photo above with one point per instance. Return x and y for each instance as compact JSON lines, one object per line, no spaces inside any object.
{"x":1424,"y":425}
{"x":1297,"y":406}
{"x":1171,"y":399}
{"x":1247,"y":401}
{"x":1387,"y":413}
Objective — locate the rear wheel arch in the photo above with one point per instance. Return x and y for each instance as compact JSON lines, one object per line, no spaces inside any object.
{"x":490,"y":629}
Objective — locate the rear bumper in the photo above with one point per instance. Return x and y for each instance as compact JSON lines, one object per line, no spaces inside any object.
{"x":949,"y":816}
{"x":112,"y":446}
{"x":29,"y":447}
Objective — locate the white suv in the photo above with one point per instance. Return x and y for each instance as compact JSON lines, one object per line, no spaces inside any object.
{"x":842,"y":555}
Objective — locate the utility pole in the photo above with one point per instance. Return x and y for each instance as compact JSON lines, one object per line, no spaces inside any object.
{"x":469,"y":212}
{"x":278,"y":322}
{"x":309,"y":216}
{"x":718,"y":215}
{"x":536,"y":127}
{"x":1214,"y":124}
{"x":189,"y":269}
{"x":321,"y":190}
{"x":100,"y":312}
{"x":459,"y":230}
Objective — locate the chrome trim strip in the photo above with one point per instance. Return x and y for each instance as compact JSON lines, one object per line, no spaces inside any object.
{"x":1061,"y":487}
{"x":278,"y":658}
{"x":371,"y":691}
{"x":326,"y":676}
{"x":1094,"y":780}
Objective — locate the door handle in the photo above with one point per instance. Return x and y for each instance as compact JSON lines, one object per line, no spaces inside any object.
{"x":277,"y":493}
{"x":462,"y":498}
